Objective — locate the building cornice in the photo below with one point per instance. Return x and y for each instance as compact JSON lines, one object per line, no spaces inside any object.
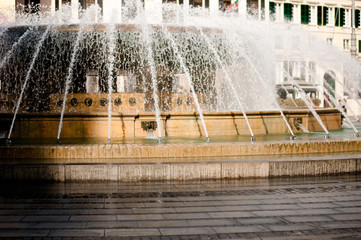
{"x":296,"y":1}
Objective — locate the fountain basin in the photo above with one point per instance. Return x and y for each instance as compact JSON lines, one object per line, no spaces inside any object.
{"x":186,"y":124}
{"x":146,"y":162}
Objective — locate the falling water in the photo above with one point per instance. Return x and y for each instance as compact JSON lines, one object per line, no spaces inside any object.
{"x":308,"y":103}
{"x":229,"y":80}
{"x":294,"y":102}
{"x":189,"y":78}
{"x":68,"y":80}
{"x":150,"y":58}
{"x":348,"y":108}
{"x":112,"y":44}
{"x":262,"y":82}
{"x":303,"y":128}
{"x":340,"y":109}
{"x":13,"y":47}
{"x":35,"y":56}
{"x":345,"y":89}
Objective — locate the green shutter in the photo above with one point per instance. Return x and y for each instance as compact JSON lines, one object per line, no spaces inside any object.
{"x":324,"y":15}
{"x":357,"y":19}
{"x":305,"y":14}
{"x":359,"y":46}
{"x":337,"y":17}
{"x":288,"y":13}
{"x":272,"y":10}
{"x":342,"y":17}
{"x":319,"y":15}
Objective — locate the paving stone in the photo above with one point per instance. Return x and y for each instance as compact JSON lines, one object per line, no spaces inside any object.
{"x":239,"y":208}
{"x":318,"y":205}
{"x":23,"y":233}
{"x":238,"y":229}
{"x":46,"y":218}
{"x":93,"y":218}
{"x":139,"y":217}
{"x":186,"y":231}
{"x":285,"y":208}
{"x":108,"y":225}
{"x":256,"y":220}
{"x":279,"y":207}
{"x":110,"y":211}
{"x":76,"y":233}
{"x":349,"y":203}
{"x":317,"y":211}
{"x":11,"y":218}
{"x":154,"y":210}
{"x":139,"y":232}
{"x":211,"y":222}
{"x":356,"y":216}
{"x":196,"y":209}
{"x":341,"y":225}
{"x":349,"y":210}
{"x":186,"y":216}
{"x":161,"y":224}
{"x":268,"y":213}
{"x":314,"y":199}
{"x":289,"y":227}
{"x":230,"y":214}
{"x":308,"y":219}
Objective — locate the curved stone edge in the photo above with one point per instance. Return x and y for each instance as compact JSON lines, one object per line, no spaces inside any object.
{"x":154,"y":153}
{"x":180,"y":171}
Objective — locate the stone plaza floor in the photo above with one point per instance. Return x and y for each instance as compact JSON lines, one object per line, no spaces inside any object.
{"x":279,"y":208}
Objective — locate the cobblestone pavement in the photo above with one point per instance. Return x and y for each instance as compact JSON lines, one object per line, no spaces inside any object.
{"x":282,"y":208}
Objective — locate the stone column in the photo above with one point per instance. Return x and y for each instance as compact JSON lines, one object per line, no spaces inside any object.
{"x":242,"y":8}
{"x":112,"y":11}
{"x":266,"y":10}
{"x":213,"y":7}
{"x":279,"y":12}
{"x":74,"y":11}
{"x":153,"y":8}
{"x":52,"y":6}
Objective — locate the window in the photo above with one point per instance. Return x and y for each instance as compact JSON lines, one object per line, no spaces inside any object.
{"x":87,"y":3}
{"x":303,"y":70}
{"x":195,"y":3}
{"x":329,"y":41}
{"x":346,"y":44}
{"x":288,"y":11}
{"x":311,"y":72}
{"x":206,"y":3}
{"x":32,"y":6}
{"x":305,"y":14}
{"x":61,"y":2}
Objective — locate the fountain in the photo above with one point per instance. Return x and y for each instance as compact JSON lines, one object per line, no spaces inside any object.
{"x":197,"y":85}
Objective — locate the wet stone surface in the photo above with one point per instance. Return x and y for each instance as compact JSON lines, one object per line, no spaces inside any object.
{"x":279,"y":208}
